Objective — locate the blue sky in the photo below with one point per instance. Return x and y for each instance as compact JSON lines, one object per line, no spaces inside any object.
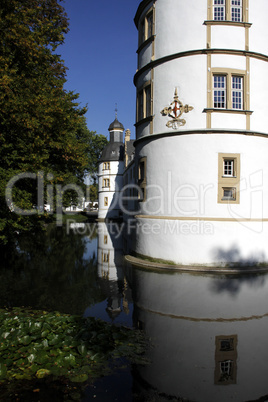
{"x":100,"y":53}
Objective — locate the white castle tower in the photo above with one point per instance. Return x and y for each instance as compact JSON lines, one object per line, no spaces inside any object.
{"x":110,"y":173}
{"x":202,"y":131}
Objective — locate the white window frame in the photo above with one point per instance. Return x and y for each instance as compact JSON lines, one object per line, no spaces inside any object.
{"x":228,"y":167}
{"x":220,"y":87}
{"x":237,"y":92}
{"x":237,"y":10}
{"x":219,"y":10}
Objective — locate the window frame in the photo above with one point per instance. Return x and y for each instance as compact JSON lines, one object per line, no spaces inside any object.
{"x":225,"y":358}
{"x":106,"y":201}
{"x":142,"y":173}
{"x":144,"y":102}
{"x":146,"y":27}
{"x":106,"y":257}
{"x":219,"y":8}
{"x":229,"y":75}
{"x":106,"y":166}
{"x":106,"y":183}
{"x":228,"y":9}
{"x":228,"y":182}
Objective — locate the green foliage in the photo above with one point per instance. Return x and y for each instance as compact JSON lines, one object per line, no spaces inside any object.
{"x":42,"y":127}
{"x":40,"y":344}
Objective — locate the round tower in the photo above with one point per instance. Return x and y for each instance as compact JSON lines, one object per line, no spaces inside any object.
{"x":202,"y":131}
{"x":110,"y":173}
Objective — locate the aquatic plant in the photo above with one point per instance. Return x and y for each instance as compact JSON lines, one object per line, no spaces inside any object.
{"x":37,"y":344}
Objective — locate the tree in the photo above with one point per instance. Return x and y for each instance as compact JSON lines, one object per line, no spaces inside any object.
{"x":40,"y":122}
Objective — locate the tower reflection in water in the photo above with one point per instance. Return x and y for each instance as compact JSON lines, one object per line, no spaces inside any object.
{"x":111,"y":273}
{"x":209,"y":334}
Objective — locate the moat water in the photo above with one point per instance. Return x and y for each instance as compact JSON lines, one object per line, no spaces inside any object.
{"x":208,"y":333}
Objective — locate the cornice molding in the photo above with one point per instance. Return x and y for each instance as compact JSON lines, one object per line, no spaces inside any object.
{"x":228,"y":23}
{"x":165,"y":59}
{"x":200,"y":131}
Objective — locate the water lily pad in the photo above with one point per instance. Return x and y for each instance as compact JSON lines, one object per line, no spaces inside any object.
{"x":80,"y":378}
{"x":3,"y":371}
{"x":42,"y":373}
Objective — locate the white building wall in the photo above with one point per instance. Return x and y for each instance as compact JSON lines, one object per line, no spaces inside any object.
{"x":173,"y":32}
{"x":185,"y":74}
{"x":188,"y":155}
{"x":258,"y":30}
{"x":228,"y":37}
{"x":115,"y":175}
{"x":258,"y":95}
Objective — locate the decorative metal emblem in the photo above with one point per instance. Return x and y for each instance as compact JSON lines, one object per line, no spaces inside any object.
{"x":175,"y":110}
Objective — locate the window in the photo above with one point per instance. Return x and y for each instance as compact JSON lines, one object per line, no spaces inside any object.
{"x":228,"y":90}
{"x":105,"y":240}
{"x":146,"y":29}
{"x":236,"y":10}
{"x":219,"y":91}
{"x":106,"y":201}
{"x":106,"y":165}
{"x":228,"y":178}
{"x":228,"y":167}
{"x":229,"y":194}
{"x":237,"y":92}
{"x":106,"y":183}
{"x":225,"y":360}
{"x":144,"y":102}
{"x":105,"y":257}
{"x":228,"y":10}
{"x":142,"y":178}
{"x":219,"y":10}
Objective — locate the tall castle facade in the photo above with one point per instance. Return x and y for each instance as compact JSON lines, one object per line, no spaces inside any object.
{"x":201,"y":146}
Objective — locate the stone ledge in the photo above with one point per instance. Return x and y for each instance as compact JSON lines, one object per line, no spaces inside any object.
{"x":232,"y":270}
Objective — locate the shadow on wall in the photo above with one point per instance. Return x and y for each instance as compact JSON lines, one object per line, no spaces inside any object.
{"x":232,"y":283}
{"x":232,"y":257}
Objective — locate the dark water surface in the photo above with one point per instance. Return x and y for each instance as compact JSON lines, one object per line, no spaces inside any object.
{"x":208,"y":333}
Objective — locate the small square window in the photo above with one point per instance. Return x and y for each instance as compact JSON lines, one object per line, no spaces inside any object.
{"x":229,"y":193}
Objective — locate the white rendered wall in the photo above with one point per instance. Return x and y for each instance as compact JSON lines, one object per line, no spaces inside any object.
{"x":173,"y":32}
{"x":258,"y":32}
{"x":115,"y":175}
{"x":185,"y":75}
{"x":186,"y":159}
{"x":228,"y":37}
{"x":184,"y":184}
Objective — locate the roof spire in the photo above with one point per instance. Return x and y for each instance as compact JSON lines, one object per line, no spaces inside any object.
{"x":116,"y":110}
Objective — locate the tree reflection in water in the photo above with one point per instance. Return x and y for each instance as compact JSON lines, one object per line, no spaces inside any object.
{"x":52,"y":270}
